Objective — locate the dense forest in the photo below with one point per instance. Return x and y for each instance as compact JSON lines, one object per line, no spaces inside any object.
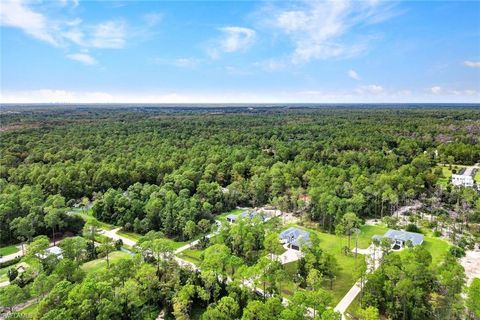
{"x":166,"y":177}
{"x":154,"y":169}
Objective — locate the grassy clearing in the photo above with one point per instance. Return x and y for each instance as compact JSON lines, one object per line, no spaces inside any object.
{"x":347,"y":265}
{"x":366,"y":233}
{"x":8,"y":250}
{"x":88,"y":216}
{"x":129,"y":235}
{"x":96,"y":265}
{"x":191,"y":255}
{"x":222,"y":217}
{"x":437,"y":248}
{"x":477,"y":176}
{"x":446,"y":176}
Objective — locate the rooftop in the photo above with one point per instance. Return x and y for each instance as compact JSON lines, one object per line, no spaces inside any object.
{"x":415,"y":238}
{"x":295,"y":236}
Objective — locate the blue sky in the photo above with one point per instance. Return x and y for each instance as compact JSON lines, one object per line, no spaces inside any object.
{"x":277,"y":51}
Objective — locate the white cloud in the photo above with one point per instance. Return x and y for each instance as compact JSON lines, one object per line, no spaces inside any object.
{"x":83,"y":58}
{"x":233,"y":39}
{"x":353,"y":74}
{"x":318,"y":29}
{"x":18,"y":15}
{"x":372,"y":89}
{"x":110,"y":34}
{"x":435,"y":89}
{"x":472,"y":64}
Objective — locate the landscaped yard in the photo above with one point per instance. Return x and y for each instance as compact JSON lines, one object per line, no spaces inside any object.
{"x":8,"y":250}
{"x":95,"y":265}
{"x":222,"y":217}
{"x":347,"y":265}
{"x":437,"y":248}
{"x":366,"y":234}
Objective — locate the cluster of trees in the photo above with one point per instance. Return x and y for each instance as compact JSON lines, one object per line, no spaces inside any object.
{"x":191,"y":165}
{"x":150,"y":281}
{"x":145,"y":207}
{"x":26,"y":212}
{"x":408,"y":286}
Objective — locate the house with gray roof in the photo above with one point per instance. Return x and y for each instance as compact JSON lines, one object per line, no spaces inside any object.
{"x":295,"y":238}
{"x":400,"y":238}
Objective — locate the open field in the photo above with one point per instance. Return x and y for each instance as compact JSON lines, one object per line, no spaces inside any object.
{"x":191,"y":255}
{"x":4,"y":251}
{"x":96,"y":265}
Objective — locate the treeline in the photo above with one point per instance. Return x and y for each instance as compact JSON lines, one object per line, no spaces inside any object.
{"x":409,"y":286}
{"x":323,"y":161}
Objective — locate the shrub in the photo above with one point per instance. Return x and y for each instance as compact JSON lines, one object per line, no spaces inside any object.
{"x":118,"y":244}
{"x":12,"y":273}
{"x":457,"y":251}
{"x":437,"y":233}
{"x":412,"y":228}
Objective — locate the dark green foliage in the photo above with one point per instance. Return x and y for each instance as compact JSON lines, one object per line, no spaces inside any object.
{"x":413,"y":228}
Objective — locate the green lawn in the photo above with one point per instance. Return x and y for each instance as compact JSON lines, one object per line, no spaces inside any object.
{"x":30,"y":312}
{"x":129,"y":235}
{"x":222,"y":217}
{"x":438,"y":248}
{"x":96,"y":265}
{"x":191,"y":255}
{"x":366,"y":233}
{"x":8,"y":250}
{"x":88,"y":216}
{"x":446,"y":175}
{"x":346,"y":273}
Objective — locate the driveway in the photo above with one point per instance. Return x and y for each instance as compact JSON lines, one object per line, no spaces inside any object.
{"x":290,"y":255}
{"x":113,"y":235}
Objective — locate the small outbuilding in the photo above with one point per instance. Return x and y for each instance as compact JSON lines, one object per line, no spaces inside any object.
{"x":400,"y":238}
{"x":295,"y":238}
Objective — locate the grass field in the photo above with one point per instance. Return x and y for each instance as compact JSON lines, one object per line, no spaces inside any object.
{"x":346,"y":274}
{"x":8,"y":250}
{"x":30,"y":311}
{"x":222,"y":217}
{"x":129,"y":235}
{"x":366,"y":233}
{"x":88,"y":216}
{"x":437,"y":248}
{"x":191,"y":255}
{"x":446,"y":175}
{"x":96,"y":265}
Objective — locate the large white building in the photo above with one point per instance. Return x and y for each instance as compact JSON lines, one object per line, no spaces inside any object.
{"x":464,"y":180}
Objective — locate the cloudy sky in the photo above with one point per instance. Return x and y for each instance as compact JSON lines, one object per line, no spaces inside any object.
{"x":277,"y":51}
